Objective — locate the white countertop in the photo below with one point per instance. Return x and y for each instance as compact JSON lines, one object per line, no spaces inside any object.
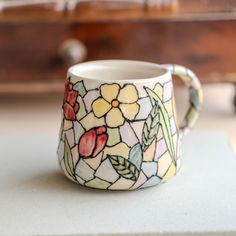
{"x":35,"y":199}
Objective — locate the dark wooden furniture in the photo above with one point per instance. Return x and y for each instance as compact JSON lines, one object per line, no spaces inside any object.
{"x":198,"y":34}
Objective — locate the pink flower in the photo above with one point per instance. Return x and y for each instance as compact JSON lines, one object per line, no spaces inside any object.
{"x":93,"y":142}
{"x":70,"y":105}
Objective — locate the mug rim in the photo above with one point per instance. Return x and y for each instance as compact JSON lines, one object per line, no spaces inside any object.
{"x":162,"y":73}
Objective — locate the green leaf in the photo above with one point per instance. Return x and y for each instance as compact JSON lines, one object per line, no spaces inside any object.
{"x":68,"y":159}
{"x":150,"y":128}
{"x":136,"y":155}
{"x":124,"y":167}
{"x":164,"y":121}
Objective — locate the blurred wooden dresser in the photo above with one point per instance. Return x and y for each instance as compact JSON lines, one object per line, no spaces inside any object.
{"x":36,"y":46}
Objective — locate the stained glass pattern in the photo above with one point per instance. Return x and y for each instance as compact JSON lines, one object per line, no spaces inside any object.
{"x":119,"y":136}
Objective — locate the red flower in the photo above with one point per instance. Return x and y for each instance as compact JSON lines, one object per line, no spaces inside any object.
{"x":70,"y":105}
{"x":93,"y":142}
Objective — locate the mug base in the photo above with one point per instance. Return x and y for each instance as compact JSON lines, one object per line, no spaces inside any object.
{"x":121,"y":184}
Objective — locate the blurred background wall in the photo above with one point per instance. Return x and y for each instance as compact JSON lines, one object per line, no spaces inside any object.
{"x":40,"y":39}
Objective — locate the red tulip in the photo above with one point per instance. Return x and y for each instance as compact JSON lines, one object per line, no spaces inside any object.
{"x":93,"y":142}
{"x":70,"y":105}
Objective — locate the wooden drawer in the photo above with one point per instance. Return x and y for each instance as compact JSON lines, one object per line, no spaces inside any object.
{"x":29,"y":51}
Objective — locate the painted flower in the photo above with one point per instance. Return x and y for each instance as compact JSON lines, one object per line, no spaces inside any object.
{"x":93,"y":142}
{"x":116,"y":104}
{"x":70,"y":105}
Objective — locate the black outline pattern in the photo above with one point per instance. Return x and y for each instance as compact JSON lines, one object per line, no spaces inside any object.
{"x":126,"y":160}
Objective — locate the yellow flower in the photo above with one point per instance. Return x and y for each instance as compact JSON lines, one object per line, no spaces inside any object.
{"x":116,"y":104}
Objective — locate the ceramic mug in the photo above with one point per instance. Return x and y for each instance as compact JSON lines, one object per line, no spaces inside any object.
{"x":119,"y":129}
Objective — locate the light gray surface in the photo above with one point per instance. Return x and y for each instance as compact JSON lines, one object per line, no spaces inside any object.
{"x":35,"y":199}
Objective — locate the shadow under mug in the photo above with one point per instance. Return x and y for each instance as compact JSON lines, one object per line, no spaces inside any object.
{"x":119,"y":129}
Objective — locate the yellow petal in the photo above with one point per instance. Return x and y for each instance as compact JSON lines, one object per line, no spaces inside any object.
{"x":109,"y":91}
{"x":100,"y":107}
{"x":129,"y":110}
{"x":128,"y":94}
{"x":114,"y":118}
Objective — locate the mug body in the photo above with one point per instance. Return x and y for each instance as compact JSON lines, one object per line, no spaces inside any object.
{"x":119,"y":129}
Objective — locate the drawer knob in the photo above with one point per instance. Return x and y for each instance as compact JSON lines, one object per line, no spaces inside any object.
{"x":72,"y":51}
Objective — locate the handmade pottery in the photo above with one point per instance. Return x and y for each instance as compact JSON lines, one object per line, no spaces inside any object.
{"x":119,"y":129}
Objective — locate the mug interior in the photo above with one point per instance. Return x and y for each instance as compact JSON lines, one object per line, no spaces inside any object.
{"x":118,"y":70}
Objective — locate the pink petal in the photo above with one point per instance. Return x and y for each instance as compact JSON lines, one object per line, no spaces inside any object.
{"x":69,"y":113}
{"x":101,"y":142}
{"x":87,"y":143}
{"x":101,"y":130}
{"x":76,"y":107}
{"x":71,"y":97}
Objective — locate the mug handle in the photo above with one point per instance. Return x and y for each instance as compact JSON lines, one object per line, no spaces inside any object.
{"x":195,"y":95}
